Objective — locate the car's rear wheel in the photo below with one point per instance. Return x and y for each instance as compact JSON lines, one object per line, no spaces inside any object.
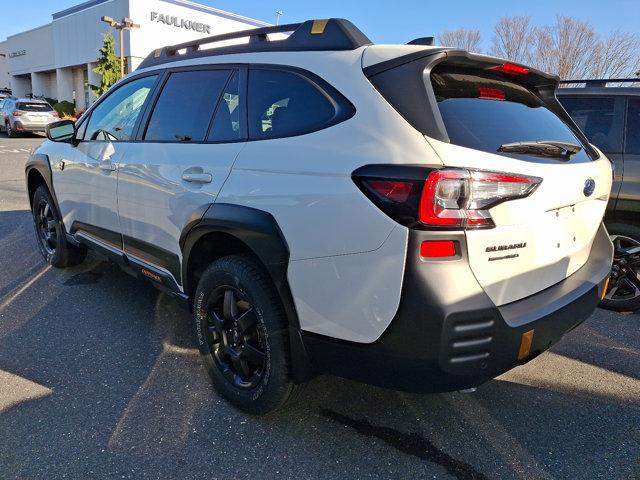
{"x":623,"y":291}
{"x":50,"y":234}
{"x":11,"y":133}
{"x":242,"y":334}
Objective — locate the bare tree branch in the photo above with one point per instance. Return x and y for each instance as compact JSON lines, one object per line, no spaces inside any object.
{"x":616,"y":56}
{"x":462,"y":38}
{"x":513,"y":38}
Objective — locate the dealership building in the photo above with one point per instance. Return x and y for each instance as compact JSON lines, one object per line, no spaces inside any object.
{"x":57,"y":60}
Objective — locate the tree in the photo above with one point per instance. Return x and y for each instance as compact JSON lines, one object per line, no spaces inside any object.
{"x":108,"y":65}
{"x":513,"y":38}
{"x":617,"y":56}
{"x":462,"y":38}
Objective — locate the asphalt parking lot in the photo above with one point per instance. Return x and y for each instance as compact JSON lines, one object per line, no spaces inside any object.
{"x":100,"y":378}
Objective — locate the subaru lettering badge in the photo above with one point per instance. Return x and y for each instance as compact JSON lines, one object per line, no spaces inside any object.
{"x":589,"y":187}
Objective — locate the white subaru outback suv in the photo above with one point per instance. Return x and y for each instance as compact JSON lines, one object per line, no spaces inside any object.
{"x":414,"y":217}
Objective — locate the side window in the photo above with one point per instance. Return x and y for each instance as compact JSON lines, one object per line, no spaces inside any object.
{"x":600,"y":118}
{"x":115,"y":117}
{"x":632,"y":145}
{"x":284,"y":104}
{"x":185,"y":106}
{"x":227,"y":126}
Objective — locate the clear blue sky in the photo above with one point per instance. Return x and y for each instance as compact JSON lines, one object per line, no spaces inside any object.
{"x":384,"y":21}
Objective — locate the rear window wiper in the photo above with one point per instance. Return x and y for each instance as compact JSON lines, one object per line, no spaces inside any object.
{"x":544,"y":148}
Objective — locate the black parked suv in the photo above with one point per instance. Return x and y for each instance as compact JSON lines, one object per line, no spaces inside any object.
{"x":610,"y":117}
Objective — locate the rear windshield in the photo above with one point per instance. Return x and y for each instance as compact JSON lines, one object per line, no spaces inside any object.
{"x":483,"y":110}
{"x":34,"y":107}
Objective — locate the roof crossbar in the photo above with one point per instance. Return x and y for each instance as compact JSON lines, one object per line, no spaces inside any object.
{"x":311,"y":35}
{"x":600,"y":82}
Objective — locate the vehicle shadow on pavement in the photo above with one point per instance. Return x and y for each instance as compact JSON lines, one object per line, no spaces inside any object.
{"x":130,"y":397}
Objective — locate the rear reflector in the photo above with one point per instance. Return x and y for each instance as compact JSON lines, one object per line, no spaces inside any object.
{"x":438,"y":248}
{"x":491,"y":94}
{"x":511,"y":68}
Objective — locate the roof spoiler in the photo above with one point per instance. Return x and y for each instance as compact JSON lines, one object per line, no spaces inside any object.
{"x":311,"y":35}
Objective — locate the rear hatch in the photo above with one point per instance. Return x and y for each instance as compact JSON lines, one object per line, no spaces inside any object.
{"x":35,"y":112}
{"x":485,"y":115}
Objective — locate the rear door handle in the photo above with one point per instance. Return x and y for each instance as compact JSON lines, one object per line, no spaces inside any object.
{"x":197,"y":177}
{"x":107,"y":167}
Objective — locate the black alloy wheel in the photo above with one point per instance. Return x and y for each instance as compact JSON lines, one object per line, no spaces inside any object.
{"x":235,"y":338}
{"x":47,"y":226}
{"x":624,"y":284}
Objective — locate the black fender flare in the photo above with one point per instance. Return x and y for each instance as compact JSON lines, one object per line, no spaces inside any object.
{"x":260,"y":232}
{"x":40,"y":163}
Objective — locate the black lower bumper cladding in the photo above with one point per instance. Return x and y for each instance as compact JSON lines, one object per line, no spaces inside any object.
{"x":448,"y":335}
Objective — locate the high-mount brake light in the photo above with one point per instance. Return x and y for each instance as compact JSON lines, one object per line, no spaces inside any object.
{"x":511,"y":68}
{"x":486,"y":93}
{"x":462,"y":198}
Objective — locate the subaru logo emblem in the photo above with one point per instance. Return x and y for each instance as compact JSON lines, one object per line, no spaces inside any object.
{"x":589,"y":187}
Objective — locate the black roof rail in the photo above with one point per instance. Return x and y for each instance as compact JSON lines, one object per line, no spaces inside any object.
{"x":311,"y":35}
{"x":429,"y":41}
{"x":600,"y":82}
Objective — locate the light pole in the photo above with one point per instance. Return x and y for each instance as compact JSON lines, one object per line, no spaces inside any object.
{"x":279,"y":13}
{"x":125,"y":24}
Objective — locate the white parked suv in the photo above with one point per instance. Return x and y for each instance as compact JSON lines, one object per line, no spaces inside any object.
{"x":415,"y":217}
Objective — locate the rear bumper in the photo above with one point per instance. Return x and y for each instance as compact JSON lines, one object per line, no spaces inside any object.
{"x":20,"y":126}
{"x":448,"y":335}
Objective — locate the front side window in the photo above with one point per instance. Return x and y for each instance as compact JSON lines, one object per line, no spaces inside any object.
{"x":115,"y":117}
{"x":284,"y":104}
{"x":185,"y":106}
{"x":633,"y":127}
{"x":599,"y":118}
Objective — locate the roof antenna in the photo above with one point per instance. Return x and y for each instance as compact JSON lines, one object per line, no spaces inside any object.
{"x":279,"y":13}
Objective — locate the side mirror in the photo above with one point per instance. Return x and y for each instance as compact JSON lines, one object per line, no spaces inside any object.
{"x":62,"y":131}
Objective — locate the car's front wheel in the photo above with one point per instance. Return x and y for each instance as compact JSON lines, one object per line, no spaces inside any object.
{"x":623,"y":292}
{"x":50,"y":234}
{"x":242,"y":334}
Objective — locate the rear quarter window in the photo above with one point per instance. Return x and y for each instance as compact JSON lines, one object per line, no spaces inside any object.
{"x":285,"y":103}
{"x":483,"y":110}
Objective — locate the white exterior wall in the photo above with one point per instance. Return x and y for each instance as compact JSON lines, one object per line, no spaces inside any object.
{"x":71,"y":41}
{"x":37,"y":45}
{"x":5,"y":78}
{"x":154,"y":33}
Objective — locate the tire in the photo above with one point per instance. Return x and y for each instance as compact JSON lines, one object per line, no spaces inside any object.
{"x":50,"y":233}
{"x":242,"y":334}
{"x":623,"y":292}
{"x":11,"y":133}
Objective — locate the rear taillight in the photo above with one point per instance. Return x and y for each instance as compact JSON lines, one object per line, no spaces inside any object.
{"x":426,"y":198}
{"x":462,"y":198}
{"x":17,"y":113}
{"x":54,"y":114}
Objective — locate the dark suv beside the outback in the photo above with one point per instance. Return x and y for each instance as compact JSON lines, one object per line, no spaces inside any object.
{"x":608,"y":112}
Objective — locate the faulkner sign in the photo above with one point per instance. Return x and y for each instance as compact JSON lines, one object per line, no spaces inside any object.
{"x":19,"y":53}
{"x":180,"y":22}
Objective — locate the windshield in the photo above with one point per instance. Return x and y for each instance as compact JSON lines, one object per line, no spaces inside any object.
{"x":483,"y":110}
{"x":34,"y":107}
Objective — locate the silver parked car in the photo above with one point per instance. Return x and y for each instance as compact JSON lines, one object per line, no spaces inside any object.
{"x":22,"y":115}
